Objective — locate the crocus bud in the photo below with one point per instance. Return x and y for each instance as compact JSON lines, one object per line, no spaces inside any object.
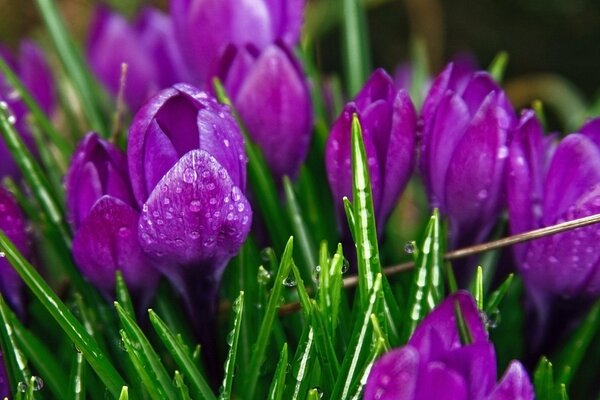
{"x":466,"y":125}
{"x":436,"y":365}
{"x":13,"y":225}
{"x":188,"y":170}
{"x":270,"y":92}
{"x":31,"y":67}
{"x":206,"y":27}
{"x":388,"y":124}
{"x":543,"y":193}
{"x":104,"y":216}
{"x":147,"y":46}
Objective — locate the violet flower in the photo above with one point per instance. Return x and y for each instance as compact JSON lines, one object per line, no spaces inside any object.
{"x":148,"y":47}
{"x":543,"y":191}
{"x":270,"y":92}
{"x":13,"y":224}
{"x":188,"y":170}
{"x":466,"y":123}
{"x":436,"y":365}
{"x":31,"y":67}
{"x":388,"y":122}
{"x":206,"y":27}
{"x":104,"y":216}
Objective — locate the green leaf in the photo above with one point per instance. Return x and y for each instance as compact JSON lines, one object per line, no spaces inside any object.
{"x":329,"y":362}
{"x":180,"y":387}
{"x":494,"y":299}
{"x":498,"y":66}
{"x":419,"y":69}
{"x":70,"y":325}
{"x":302,"y":366}
{"x":349,"y":209}
{"x":123,"y":296}
{"x":479,"y":288}
{"x":18,"y":369}
{"x":543,"y":379}
{"x":260,"y":347}
{"x":141,"y":366}
{"x":232,"y":341}
{"x":278,"y":382}
{"x":77,"y":378}
{"x":355,"y":41}
{"x":141,"y":349}
{"x":74,"y":65}
{"x":466,"y":337}
{"x":377,"y":349}
{"x":124,"y":393}
{"x":313,"y":394}
{"x":199,"y":387}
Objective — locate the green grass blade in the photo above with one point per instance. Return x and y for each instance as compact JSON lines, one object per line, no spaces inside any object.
{"x":123,"y":296}
{"x":53,"y":169}
{"x":142,"y":368}
{"x":260,"y":347}
{"x":302,"y":366}
{"x":543,"y":380}
{"x":67,"y":321}
{"x":124,"y":393}
{"x":359,"y":345}
{"x":377,"y":349}
{"x":313,"y":394}
{"x":301,"y":233}
{"x":18,"y":370}
{"x":199,"y":387}
{"x":349,"y":209}
{"x":305,"y":301}
{"x":479,"y":288}
{"x":232,"y":342}
{"x":77,"y":378}
{"x":180,"y":387}
{"x":498,"y":66}
{"x":74,"y":65}
{"x":496,"y":296}
{"x":278,"y":382}
{"x":355,"y":41}
{"x":328,"y":358}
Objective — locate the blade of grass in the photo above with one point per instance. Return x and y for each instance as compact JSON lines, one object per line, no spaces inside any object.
{"x":232,"y":342}
{"x":123,"y":296}
{"x":18,"y":370}
{"x":278,"y":382}
{"x":124,"y":393}
{"x":479,"y":288}
{"x":180,"y":386}
{"x":376,"y":351}
{"x":498,"y":65}
{"x":67,"y":321}
{"x":302,"y":366}
{"x":77,"y":378}
{"x":143,"y":370}
{"x":355,"y":40}
{"x":543,"y":380}
{"x":198,"y":385}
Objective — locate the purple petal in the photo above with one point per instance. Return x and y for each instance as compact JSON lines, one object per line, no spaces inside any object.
{"x":159,"y":155}
{"x":195,"y":216}
{"x":476,"y":171}
{"x":274,"y":103}
{"x":441,"y":383}
{"x":476,"y":364}
{"x":394,"y":376}
{"x":438,"y":333}
{"x":436,"y":93}
{"x":107,"y":242}
{"x":236,"y":64}
{"x":35,"y":74}
{"x":379,"y":87}
{"x":286,"y":19}
{"x":591,"y":129}
{"x":574,"y":169}
{"x":514,"y":385}
{"x":478,"y":88}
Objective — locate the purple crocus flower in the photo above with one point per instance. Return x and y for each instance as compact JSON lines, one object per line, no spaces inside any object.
{"x":388,"y":122}
{"x":13,"y":224}
{"x":550,"y":185}
{"x":188,"y":169}
{"x":270,"y":92}
{"x":436,"y":365}
{"x":466,"y":123}
{"x":206,"y":27}
{"x":147,"y":46}
{"x":104,"y":216}
{"x":31,"y":67}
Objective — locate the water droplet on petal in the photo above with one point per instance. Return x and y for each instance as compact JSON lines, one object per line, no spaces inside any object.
{"x":482,"y":195}
{"x":194,"y":235}
{"x":195,"y":206}
{"x":123,"y":231}
{"x":190,"y":175}
{"x":2,"y":254}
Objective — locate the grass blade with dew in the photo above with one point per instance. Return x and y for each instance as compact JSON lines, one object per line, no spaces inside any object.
{"x":303,"y":364}
{"x":278,"y":381}
{"x":76,"y":389}
{"x":18,"y":370}
{"x":180,"y":387}
{"x":148,"y":381}
{"x":123,"y":296}
{"x":67,"y":321}
{"x":232,"y":342}
{"x":198,"y":385}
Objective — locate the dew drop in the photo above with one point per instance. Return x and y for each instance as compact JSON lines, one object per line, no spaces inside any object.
{"x":263,"y":276}
{"x":169,"y":215}
{"x":289,"y":281}
{"x":491,"y":320}
{"x":166,"y":201}
{"x":502,"y":152}
{"x":482,"y":195}
{"x":22,"y":387}
{"x":241,"y":207}
{"x":213,"y":201}
{"x":226,"y":143}
{"x":229,"y":217}
{"x":229,"y":338}
{"x":123,"y":231}
{"x":211,"y":186}
{"x":145,"y":208}
{"x":194,"y":235}
{"x":190,"y":175}
{"x":409,"y":247}
{"x":195,"y":206}
{"x":160,"y":221}
{"x":12,"y":119}
{"x":236,"y":194}
{"x":245,"y":220}
{"x":345,"y":266}
{"x":38,"y":383}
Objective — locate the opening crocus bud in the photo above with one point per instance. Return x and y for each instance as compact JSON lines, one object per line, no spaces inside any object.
{"x":104,"y":217}
{"x":206,"y":27}
{"x":188,"y":169}
{"x":388,"y":122}
{"x":13,"y":224}
{"x":466,"y":125}
{"x":436,"y":365}
{"x":270,"y":91}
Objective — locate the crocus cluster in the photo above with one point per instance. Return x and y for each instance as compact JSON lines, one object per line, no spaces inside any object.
{"x":549,"y":184}
{"x":466,"y":125}
{"x":388,"y":122}
{"x":436,"y":364}
{"x":31,"y":68}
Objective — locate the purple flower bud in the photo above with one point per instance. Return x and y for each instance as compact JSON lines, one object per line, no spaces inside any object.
{"x":466,"y":125}
{"x":436,"y":365}
{"x":13,"y":224}
{"x":188,"y":169}
{"x":105,"y":217}
{"x":543,"y":191}
{"x":206,"y":27}
{"x":32,"y":69}
{"x":388,"y":122}
{"x":147,"y":46}
{"x":270,"y":92}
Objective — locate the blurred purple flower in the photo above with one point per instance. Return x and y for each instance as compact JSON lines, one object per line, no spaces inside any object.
{"x":31,"y":67}
{"x":4,"y":383}
{"x":105,"y":217}
{"x":467,"y":120}
{"x":188,"y":169}
{"x":436,"y":365}
{"x":206,"y":27}
{"x":546,"y":186}
{"x":270,"y":92}
{"x":388,"y":122}
{"x":13,"y":224}
{"x":147,"y":46}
